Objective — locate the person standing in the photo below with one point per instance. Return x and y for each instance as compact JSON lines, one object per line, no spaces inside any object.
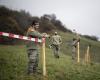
{"x":55,"y":44}
{"x":32,"y":47}
{"x":74,"y":47}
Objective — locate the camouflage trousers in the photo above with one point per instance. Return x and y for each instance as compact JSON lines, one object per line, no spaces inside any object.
{"x":33,"y":60}
{"x":74,"y":53}
{"x":56,"y":50}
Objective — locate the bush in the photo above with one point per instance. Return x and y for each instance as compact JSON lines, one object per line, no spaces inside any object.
{"x":91,"y":37}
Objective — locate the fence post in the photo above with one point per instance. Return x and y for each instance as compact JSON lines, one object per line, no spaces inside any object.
{"x":78,"y":53}
{"x":43,"y":57}
{"x":88,"y":55}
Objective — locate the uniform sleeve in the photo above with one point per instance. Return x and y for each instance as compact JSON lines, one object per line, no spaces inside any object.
{"x":27,"y":34}
{"x":35,"y":34}
{"x":75,"y":43}
{"x":60,"y":40}
{"x":52,"y":40}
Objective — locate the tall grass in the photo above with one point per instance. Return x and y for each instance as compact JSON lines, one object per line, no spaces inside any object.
{"x":13,"y":62}
{"x":13,"y":66}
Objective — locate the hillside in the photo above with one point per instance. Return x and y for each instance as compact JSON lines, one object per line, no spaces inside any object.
{"x":13,"y":57}
{"x":13,"y":62}
{"x":18,"y":21}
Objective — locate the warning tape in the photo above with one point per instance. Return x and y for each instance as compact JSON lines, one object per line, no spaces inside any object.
{"x":20,"y":37}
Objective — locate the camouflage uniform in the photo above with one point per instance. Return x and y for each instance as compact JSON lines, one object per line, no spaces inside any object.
{"x":32,"y":51}
{"x":56,"y":41}
{"x":74,"y":46}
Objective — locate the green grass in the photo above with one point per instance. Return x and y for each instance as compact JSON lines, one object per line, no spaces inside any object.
{"x":13,"y":62}
{"x":13,"y":66}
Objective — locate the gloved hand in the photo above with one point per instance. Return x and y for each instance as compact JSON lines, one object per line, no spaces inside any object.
{"x":79,"y":40}
{"x":45,"y":35}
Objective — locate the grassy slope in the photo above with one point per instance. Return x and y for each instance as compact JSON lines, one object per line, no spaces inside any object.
{"x":13,"y":63}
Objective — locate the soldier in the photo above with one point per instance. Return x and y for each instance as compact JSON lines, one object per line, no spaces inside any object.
{"x":74,"y":46}
{"x":32,"y":47}
{"x":55,"y":43}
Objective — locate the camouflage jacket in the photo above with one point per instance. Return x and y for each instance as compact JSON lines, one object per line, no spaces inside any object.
{"x":56,"y":40}
{"x":32,"y":44}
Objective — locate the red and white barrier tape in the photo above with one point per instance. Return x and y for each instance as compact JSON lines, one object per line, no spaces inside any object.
{"x":20,"y":37}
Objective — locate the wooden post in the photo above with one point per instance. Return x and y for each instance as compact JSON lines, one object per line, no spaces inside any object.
{"x":88,"y":56}
{"x":43,"y":57}
{"x":85,"y":58}
{"x":78,"y":53}
{"x":78,"y":45}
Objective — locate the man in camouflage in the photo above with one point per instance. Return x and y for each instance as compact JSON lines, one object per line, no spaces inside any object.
{"x":55,"y":43}
{"x":32,"y":48}
{"x":74,"y":46}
